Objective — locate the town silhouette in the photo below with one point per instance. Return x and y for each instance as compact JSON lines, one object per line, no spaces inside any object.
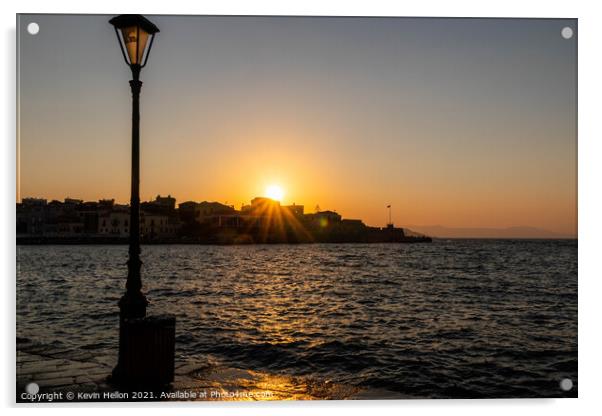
{"x":264,"y":220}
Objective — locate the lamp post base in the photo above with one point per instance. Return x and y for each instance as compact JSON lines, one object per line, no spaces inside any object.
{"x":146,"y":352}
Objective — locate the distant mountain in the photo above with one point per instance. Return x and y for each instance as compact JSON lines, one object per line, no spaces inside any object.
{"x":510,"y":232}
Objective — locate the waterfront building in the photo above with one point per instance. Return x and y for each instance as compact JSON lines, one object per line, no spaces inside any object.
{"x":323,"y":218}
{"x":296,"y":210}
{"x":31,"y":216}
{"x":157,"y":226}
{"x":166,"y":202}
{"x":114,"y":224}
{"x":204,"y":212}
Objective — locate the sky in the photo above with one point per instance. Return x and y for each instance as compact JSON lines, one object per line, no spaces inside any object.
{"x":452,"y":122}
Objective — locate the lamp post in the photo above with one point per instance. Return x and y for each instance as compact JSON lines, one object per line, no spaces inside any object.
{"x":146,"y":345}
{"x":135,"y":34}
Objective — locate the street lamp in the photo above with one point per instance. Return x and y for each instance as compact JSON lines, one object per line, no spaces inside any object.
{"x":146,"y":344}
{"x":135,"y":34}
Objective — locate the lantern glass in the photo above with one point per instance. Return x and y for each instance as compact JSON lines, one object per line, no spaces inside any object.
{"x":135,"y":40}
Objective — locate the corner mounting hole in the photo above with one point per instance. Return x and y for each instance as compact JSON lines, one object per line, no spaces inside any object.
{"x":33,"y":28}
{"x":566,"y":384}
{"x":32,"y":388}
{"x":566,"y":32}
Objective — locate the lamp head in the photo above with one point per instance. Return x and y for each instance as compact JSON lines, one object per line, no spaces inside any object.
{"x":135,"y":34}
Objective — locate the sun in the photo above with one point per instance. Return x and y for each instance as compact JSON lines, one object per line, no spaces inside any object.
{"x":274,"y":192}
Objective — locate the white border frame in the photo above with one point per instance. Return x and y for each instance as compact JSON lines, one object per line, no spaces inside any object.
{"x":590,"y":196}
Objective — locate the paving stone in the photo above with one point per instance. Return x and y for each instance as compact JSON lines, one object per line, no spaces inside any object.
{"x":42,"y":365}
{"x":23,"y":357}
{"x":36,"y":349}
{"x":108,"y":361}
{"x":70,"y":372}
{"x":84,"y":379}
{"x":84,"y":354}
{"x":60,"y":353}
{"x":55,"y":382}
